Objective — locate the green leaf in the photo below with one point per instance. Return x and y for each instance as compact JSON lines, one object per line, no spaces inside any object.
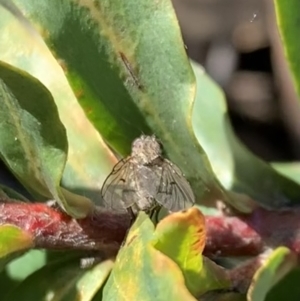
{"x":181,"y":236}
{"x":13,"y":241}
{"x":19,"y":269}
{"x":89,"y":159}
{"x":32,"y":140}
{"x":62,"y":281}
{"x":10,"y":185}
{"x":9,"y":193}
{"x":290,"y":169}
{"x":23,"y":266}
{"x":279,"y":263}
{"x":25,"y":130}
{"x":288,"y":13}
{"x":288,"y":287}
{"x":234,"y":165}
{"x":129,"y":81}
{"x":142,"y":272}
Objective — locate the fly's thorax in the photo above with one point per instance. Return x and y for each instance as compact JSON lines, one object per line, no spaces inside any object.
{"x":146,"y":183}
{"x":146,"y":204}
{"x":147,"y":180}
{"x":145,"y":149}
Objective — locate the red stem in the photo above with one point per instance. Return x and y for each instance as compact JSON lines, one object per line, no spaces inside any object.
{"x":54,"y":229}
{"x":252,"y":234}
{"x":105,"y":231}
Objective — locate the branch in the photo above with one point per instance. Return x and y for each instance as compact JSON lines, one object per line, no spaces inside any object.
{"x":53,"y":229}
{"x":242,"y":235}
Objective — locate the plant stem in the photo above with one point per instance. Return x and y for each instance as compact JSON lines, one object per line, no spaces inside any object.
{"x":241,"y":235}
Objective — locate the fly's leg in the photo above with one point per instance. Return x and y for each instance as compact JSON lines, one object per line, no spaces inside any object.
{"x":154,"y":213}
{"x":131,"y":214}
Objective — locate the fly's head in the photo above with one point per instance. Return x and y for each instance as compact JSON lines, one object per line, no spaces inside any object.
{"x":145,"y":149}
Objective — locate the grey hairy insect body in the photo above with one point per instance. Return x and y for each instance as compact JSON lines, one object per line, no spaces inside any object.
{"x":145,"y":180}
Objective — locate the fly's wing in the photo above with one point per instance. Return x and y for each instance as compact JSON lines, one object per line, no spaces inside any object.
{"x":118,"y":189}
{"x":174,"y":191}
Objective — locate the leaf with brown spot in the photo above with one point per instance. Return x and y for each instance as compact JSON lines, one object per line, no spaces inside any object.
{"x":181,"y":236}
{"x":141,"y":272}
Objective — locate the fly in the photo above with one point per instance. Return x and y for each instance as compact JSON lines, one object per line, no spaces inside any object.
{"x":146,"y":181}
{"x":130,"y":70}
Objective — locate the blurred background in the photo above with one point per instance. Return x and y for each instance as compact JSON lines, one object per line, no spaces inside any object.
{"x":238,"y":43}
